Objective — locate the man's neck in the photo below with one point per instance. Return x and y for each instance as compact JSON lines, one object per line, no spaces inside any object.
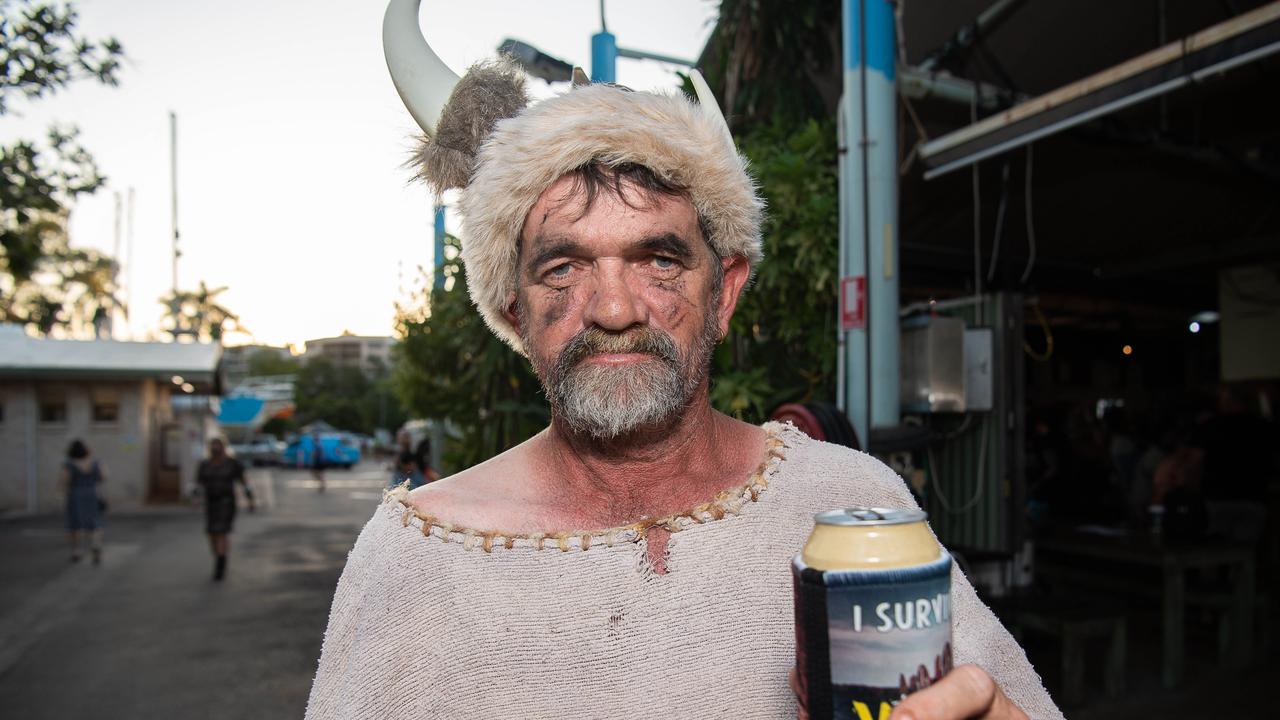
{"x":652,"y":474}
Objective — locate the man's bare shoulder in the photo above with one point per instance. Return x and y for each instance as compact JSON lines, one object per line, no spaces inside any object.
{"x":482,"y":496}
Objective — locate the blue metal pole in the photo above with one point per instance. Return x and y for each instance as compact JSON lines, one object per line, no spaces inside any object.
{"x":869,"y":188}
{"x":604,"y":57}
{"x":437,"y":257}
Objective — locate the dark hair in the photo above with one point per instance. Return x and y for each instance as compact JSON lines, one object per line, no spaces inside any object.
{"x":595,"y":177}
{"x":77,"y":450}
{"x":407,"y":457}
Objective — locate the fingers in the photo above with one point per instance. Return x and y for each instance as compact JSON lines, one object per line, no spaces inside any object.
{"x":966,"y":692}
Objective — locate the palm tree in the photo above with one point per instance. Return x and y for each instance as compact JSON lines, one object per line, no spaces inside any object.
{"x":196,"y":313}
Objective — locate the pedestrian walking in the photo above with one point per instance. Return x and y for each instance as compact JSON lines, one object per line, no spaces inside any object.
{"x":406,"y":470}
{"x":80,"y":477}
{"x":218,"y":475}
{"x":317,"y":460}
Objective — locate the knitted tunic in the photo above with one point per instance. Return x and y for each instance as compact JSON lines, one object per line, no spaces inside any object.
{"x":432,"y":621}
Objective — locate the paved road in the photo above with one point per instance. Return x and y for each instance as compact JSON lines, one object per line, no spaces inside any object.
{"x":149,"y":635}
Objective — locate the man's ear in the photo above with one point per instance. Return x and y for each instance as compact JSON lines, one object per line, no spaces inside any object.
{"x":737,"y":270}
{"x":510,"y":314}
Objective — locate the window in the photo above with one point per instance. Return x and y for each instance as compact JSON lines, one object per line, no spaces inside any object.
{"x":106,"y":405}
{"x":106,"y":412}
{"x":53,"y":411}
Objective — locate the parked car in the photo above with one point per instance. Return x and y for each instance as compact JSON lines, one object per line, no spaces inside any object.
{"x":261,"y":450}
{"x":335,"y":448}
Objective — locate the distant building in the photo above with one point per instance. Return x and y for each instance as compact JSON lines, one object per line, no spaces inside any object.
{"x":145,"y":409}
{"x":366,"y":352}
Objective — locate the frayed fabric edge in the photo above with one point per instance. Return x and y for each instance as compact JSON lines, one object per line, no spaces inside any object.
{"x":726,"y":503}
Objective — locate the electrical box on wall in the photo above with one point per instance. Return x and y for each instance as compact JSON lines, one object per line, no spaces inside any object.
{"x":932,"y":362}
{"x":978,"y":369}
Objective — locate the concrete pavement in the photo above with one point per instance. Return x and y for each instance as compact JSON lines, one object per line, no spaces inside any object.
{"x":148,"y":634}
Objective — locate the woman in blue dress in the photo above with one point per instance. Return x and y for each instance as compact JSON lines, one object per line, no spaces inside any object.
{"x":80,"y":477}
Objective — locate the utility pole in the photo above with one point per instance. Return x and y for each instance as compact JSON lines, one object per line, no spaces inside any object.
{"x":173,"y":193}
{"x":869,"y":219}
{"x":175,"y":306}
{"x":605,"y":53}
{"x":128,"y":263}
{"x":438,"y":256}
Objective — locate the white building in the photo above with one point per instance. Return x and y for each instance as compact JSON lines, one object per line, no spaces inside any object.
{"x":363,"y":351}
{"x":144,"y":409}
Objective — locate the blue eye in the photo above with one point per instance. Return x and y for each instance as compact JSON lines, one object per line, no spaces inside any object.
{"x":560,"y":270}
{"x":663,"y":263}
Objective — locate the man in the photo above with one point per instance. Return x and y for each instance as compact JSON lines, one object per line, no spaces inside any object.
{"x":318,"y":460}
{"x":633,"y":558}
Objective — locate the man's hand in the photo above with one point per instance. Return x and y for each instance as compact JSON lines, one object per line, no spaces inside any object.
{"x":966,"y":692}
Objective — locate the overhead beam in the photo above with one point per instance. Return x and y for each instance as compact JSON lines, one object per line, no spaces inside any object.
{"x":919,"y":84}
{"x":964,"y":38}
{"x":1242,"y":39}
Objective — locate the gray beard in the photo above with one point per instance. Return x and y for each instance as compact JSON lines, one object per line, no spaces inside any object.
{"x":609,"y":403}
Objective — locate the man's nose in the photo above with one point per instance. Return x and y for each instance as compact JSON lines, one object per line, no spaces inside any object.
{"x":614,"y":304}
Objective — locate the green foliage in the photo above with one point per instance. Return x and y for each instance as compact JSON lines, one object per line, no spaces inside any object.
{"x":44,"y":284}
{"x":41,"y":53}
{"x":268,"y":362}
{"x":782,"y":341}
{"x":198,"y":314}
{"x":766,"y":59}
{"x":346,"y":397}
{"x":450,"y":367}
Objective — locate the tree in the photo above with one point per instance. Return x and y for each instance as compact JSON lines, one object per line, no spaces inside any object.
{"x":268,"y":362}
{"x":197,"y":313}
{"x":782,"y":341}
{"x":44,"y":283}
{"x":346,"y":397}
{"x":767,"y":59}
{"x":450,"y":367}
{"x":40,"y":52}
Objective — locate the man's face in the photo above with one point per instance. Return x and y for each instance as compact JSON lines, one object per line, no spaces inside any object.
{"x":216,"y":449}
{"x":620,"y":307}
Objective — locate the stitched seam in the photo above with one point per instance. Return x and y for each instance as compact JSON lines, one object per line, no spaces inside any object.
{"x":727,"y":502}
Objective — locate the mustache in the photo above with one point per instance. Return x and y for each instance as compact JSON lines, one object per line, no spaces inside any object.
{"x":595,"y":341}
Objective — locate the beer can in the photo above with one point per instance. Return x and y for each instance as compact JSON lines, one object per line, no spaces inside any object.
{"x":873,"y":612}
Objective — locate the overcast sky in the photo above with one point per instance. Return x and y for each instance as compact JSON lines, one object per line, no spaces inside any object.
{"x":291,"y":140}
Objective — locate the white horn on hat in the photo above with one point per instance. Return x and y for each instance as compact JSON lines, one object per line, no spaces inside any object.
{"x":707,"y":101}
{"x":420,"y":76}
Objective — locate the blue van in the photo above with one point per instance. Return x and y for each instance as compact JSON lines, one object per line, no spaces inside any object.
{"x":336,"y":449}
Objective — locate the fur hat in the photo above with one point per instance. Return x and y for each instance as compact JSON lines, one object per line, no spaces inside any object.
{"x":513,"y":159}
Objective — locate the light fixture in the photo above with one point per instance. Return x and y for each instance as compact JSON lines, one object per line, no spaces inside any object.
{"x":1194,"y":327}
{"x":177,"y":380}
{"x":1206,"y":317}
{"x":1127,"y":349}
{"x":188,"y":388}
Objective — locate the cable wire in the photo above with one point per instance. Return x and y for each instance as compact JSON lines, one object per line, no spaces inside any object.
{"x":981,"y":476}
{"x":1000,"y":211}
{"x":1031,"y":226}
{"x":977,"y":212}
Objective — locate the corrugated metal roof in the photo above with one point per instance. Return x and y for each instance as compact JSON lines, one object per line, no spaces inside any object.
{"x":23,"y":355}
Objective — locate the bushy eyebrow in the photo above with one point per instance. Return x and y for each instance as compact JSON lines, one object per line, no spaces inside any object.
{"x":668,"y":244}
{"x":546,"y":249}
